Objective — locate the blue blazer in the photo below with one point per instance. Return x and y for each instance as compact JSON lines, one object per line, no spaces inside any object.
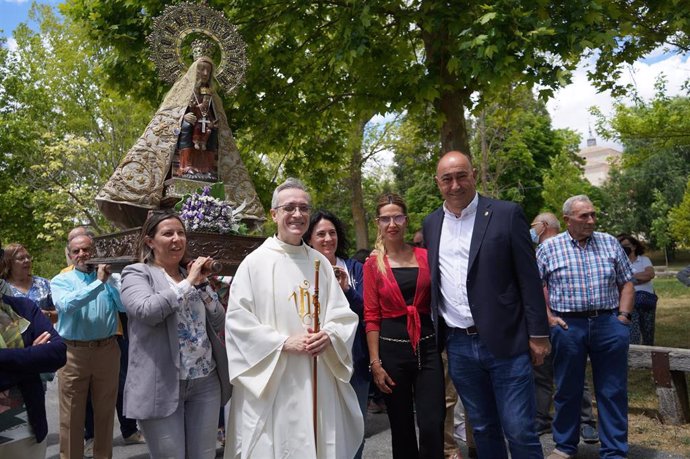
{"x":360,"y":349}
{"x":503,"y":285}
{"x":23,"y":367}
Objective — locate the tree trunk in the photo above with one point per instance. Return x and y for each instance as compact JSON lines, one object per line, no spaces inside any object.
{"x":484,"y":164}
{"x":355,"y":180}
{"x":453,"y":130}
{"x":450,"y":104}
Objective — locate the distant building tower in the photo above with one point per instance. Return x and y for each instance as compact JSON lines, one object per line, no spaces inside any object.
{"x":598,"y":160}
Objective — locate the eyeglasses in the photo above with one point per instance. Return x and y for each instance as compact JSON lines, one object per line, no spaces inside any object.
{"x":291,"y":208}
{"x":23,"y":259}
{"x":397,"y":219}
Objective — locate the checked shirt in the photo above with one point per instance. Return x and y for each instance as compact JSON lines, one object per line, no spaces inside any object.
{"x":583,"y":278}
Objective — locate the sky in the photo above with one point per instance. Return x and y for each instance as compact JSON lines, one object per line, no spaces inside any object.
{"x":569,"y":108}
{"x":12,"y":12}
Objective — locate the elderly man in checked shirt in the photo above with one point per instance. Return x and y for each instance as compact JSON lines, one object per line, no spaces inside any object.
{"x":591,"y":295}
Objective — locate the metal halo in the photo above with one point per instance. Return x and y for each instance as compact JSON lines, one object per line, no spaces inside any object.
{"x":176,"y":23}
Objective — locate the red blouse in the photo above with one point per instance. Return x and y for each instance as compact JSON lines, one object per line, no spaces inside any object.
{"x":383,"y":299}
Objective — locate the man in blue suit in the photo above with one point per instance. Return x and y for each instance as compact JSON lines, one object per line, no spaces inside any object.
{"x":488,"y":308}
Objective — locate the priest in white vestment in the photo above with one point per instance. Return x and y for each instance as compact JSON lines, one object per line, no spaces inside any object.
{"x":271,"y":345}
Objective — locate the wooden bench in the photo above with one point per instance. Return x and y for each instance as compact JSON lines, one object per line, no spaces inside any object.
{"x":668,"y":365}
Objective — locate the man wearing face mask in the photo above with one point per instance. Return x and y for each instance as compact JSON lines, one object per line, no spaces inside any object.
{"x":543,"y":227}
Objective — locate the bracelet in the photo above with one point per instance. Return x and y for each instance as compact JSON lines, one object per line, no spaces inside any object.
{"x":627,"y":315}
{"x":379,"y":361}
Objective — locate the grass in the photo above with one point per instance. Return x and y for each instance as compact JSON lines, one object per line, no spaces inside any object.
{"x":672,"y":330}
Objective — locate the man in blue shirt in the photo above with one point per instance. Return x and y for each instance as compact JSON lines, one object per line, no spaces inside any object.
{"x":588,"y":277}
{"x":87,"y":302}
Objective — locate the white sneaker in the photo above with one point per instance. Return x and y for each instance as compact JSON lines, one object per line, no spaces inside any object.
{"x":558,"y":454}
{"x":88,"y":448}
{"x":135,"y":439}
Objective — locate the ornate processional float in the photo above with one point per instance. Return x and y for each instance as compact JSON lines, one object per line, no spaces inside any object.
{"x":187,"y":146}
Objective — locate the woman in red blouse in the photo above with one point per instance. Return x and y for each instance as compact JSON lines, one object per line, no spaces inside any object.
{"x":404,"y":361}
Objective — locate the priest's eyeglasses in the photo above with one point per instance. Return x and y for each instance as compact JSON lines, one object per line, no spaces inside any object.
{"x":291,"y":208}
{"x":397,"y":219}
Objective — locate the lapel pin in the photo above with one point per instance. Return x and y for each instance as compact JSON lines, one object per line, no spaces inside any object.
{"x":486,"y":213}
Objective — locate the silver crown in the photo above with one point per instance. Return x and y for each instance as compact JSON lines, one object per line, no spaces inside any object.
{"x":202,"y":48}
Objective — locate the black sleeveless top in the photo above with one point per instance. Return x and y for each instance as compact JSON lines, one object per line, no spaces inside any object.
{"x":407,"y":282}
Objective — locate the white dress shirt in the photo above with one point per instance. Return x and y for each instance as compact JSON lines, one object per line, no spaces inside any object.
{"x":453,"y":258}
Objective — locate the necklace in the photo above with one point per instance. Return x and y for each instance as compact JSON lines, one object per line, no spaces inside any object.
{"x":204,"y":114}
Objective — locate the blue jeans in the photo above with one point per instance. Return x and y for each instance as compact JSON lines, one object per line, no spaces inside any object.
{"x":498,"y":394}
{"x":605,"y":340}
{"x":190,"y":431}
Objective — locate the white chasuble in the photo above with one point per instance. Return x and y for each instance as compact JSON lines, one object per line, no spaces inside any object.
{"x":271,"y":410}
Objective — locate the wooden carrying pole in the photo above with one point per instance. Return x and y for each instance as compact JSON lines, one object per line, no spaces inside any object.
{"x":317,"y":308}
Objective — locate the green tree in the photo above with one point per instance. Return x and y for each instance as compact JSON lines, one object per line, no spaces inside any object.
{"x":656,"y":159}
{"x":414,"y":143}
{"x":399,"y":53}
{"x":679,"y":220}
{"x":638,"y":28}
{"x":322,"y":69}
{"x":62,"y":131}
{"x":361,"y":179}
{"x":514,"y":142}
{"x":565,"y":178}
{"x":660,"y":224}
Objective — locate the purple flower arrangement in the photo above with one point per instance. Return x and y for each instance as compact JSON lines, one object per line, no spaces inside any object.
{"x":205,"y":213}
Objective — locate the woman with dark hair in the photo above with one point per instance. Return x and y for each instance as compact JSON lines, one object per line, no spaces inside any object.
{"x":17,"y":272}
{"x":178,"y":375}
{"x":404,"y":360}
{"x":326,"y":234}
{"x":644,"y":312}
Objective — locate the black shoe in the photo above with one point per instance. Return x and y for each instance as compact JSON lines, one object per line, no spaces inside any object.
{"x":589,"y":434}
{"x":543,"y":428}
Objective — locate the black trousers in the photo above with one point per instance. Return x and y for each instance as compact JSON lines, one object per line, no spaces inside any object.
{"x":419,"y":387}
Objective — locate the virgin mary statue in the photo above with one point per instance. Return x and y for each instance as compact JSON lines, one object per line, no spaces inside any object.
{"x":187,"y":144}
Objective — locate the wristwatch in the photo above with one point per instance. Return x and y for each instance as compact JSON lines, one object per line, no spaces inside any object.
{"x":627,"y":315}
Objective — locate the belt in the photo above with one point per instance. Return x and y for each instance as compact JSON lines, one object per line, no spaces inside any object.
{"x":396,"y":340}
{"x":92,"y":343}
{"x":585,"y":314}
{"x":467,"y":331}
